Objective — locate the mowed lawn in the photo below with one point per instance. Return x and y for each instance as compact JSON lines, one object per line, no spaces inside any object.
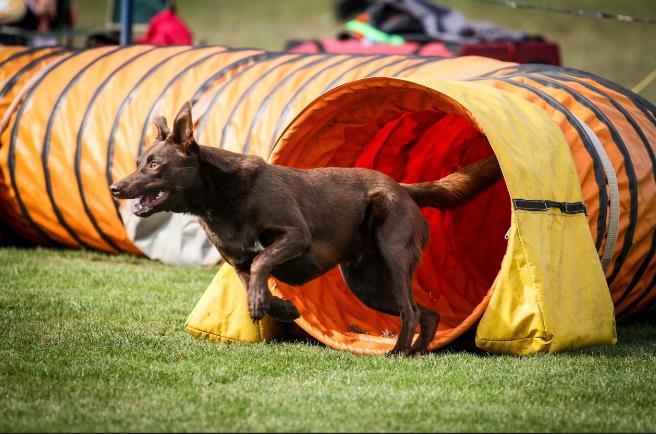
{"x":91,"y":342}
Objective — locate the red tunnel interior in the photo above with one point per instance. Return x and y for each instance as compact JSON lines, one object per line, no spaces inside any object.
{"x":466,"y":245}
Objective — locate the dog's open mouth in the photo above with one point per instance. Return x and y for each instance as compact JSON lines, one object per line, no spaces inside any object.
{"x":149,"y":201}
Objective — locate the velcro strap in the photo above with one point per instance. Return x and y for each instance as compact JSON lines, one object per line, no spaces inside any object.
{"x":543,"y":205}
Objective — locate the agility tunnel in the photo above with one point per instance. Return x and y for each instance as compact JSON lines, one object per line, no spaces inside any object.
{"x":540,"y":262}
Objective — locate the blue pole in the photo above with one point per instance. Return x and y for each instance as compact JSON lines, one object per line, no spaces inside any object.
{"x":126,"y":22}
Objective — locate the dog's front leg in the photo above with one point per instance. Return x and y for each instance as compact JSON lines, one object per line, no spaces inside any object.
{"x":282,"y":310}
{"x":291,"y":243}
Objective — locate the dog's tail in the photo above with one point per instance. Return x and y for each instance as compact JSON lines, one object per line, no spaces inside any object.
{"x":458,"y":188}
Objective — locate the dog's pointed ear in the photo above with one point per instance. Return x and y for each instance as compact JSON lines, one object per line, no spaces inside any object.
{"x":183,"y":129}
{"x":161,"y":127}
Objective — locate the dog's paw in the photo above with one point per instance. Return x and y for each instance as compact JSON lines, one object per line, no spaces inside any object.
{"x":412,"y":352}
{"x":283,"y":310}
{"x":292,"y":313}
{"x":400,"y":351}
{"x":258,"y":305}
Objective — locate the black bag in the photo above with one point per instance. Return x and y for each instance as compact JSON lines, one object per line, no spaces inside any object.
{"x":423,"y":21}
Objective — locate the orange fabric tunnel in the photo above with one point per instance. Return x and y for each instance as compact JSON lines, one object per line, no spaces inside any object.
{"x":74,"y":121}
{"x":415,"y":135}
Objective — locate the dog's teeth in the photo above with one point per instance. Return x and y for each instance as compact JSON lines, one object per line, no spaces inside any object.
{"x":159,"y":194}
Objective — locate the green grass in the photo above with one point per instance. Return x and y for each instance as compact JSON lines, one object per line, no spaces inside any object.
{"x":92,"y":342}
{"x":622,"y":52}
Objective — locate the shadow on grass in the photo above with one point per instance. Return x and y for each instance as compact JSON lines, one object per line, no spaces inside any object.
{"x":9,"y":237}
{"x":647,"y":316}
{"x":636,"y":336}
{"x":293,"y":334}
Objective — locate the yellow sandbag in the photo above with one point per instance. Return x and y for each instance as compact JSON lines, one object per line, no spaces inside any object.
{"x":221,"y":314}
{"x":550,"y":295}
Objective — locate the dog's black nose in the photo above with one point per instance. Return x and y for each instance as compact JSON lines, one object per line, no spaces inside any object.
{"x":115,"y":189}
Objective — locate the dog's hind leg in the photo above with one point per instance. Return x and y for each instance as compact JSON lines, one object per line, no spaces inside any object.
{"x":282,"y":310}
{"x":400,"y":233}
{"x":428,"y":321}
{"x":408,"y":310}
{"x":369,"y":278}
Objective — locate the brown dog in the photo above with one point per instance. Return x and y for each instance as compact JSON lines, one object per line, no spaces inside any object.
{"x":298,"y":224}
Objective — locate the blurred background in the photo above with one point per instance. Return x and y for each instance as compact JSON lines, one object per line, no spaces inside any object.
{"x":621,"y":51}
{"x":624,"y":52}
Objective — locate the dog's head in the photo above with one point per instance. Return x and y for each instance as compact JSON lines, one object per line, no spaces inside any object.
{"x":166,"y":171}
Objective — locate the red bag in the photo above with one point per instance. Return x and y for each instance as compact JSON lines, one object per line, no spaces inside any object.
{"x":166,"y":28}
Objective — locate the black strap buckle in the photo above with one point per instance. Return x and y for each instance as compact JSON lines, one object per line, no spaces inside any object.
{"x":544,"y":205}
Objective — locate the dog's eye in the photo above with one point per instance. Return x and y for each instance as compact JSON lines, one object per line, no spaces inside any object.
{"x":153,"y":165}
